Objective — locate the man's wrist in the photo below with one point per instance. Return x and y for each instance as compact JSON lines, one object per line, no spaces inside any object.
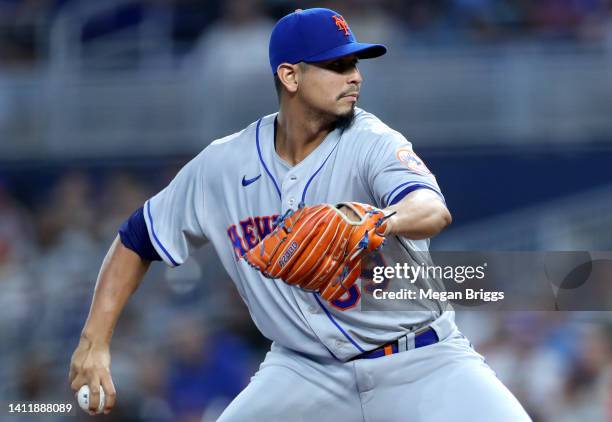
{"x":390,"y":222}
{"x":93,"y":338}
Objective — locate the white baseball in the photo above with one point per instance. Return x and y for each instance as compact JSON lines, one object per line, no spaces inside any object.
{"x":83,"y":399}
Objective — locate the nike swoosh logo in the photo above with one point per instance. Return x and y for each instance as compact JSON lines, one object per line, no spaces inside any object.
{"x":247,"y":182}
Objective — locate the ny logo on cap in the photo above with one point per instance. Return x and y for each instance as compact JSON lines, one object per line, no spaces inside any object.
{"x":341,"y":24}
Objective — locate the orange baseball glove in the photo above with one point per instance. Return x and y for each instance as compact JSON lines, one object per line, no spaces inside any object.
{"x":319,"y":248}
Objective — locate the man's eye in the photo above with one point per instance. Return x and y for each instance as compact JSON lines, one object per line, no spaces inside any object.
{"x":342,"y":66}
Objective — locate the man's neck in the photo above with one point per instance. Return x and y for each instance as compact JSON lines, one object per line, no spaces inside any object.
{"x":298,"y":134}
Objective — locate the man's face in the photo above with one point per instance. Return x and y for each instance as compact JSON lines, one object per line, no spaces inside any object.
{"x":331,"y":87}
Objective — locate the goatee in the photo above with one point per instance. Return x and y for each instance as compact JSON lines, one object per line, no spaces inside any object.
{"x":345,"y":121}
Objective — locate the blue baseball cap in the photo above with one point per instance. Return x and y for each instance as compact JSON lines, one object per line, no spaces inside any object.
{"x":315,"y":35}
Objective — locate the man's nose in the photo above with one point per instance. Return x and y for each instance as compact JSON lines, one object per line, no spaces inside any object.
{"x":355,"y":76}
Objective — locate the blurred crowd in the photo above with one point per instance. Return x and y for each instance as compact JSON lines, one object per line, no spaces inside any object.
{"x":185,"y":345}
{"x":558,"y":364}
{"x":26,"y":26}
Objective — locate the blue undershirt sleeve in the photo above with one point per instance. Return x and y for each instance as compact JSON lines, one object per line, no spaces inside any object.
{"x":134,"y":235}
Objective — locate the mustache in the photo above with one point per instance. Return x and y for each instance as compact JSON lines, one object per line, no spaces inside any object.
{"x":349,"y":92}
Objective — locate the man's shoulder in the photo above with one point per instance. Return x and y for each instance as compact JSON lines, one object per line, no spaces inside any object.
{"x":238,"y":141}
{"x":244,"y":135}
{"x":368,"y":126}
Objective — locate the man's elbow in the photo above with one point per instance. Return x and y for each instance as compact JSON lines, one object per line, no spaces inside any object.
{"x":447,"y":218}
{"x":440,"y":219}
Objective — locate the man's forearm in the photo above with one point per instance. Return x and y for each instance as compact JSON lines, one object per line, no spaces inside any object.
{"x":420,"y":215}
{"x":120,"y":274}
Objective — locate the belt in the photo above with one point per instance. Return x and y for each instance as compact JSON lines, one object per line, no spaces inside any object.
{"x":423,"y":337}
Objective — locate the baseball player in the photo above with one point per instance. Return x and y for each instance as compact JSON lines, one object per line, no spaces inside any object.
{"x":250,"y":192}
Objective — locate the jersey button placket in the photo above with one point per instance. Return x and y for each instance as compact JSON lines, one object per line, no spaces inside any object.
{"x":290,"y":191}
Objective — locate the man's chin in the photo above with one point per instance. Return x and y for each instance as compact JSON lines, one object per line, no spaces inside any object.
{"x":344,"y":121}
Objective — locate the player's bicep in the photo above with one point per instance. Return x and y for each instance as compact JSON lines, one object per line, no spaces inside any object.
{"x":428,"y":202}
{"x":422,"y":195}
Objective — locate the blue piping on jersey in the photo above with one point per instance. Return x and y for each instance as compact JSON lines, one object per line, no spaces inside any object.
{"x":410,"y":186}
{"x":318,"y":170}
{"x":261,"y":158}
{"x":331,"y":318}
{"x":155,"y":236}
{"x":409,"y":189}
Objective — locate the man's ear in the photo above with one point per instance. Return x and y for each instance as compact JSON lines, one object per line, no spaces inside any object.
{"x":289,"y":75}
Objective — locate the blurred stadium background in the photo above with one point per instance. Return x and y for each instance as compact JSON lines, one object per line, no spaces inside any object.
{"x":508,"y":101}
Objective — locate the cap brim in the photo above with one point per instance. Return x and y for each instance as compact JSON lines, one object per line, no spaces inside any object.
{"x":361,"y":50}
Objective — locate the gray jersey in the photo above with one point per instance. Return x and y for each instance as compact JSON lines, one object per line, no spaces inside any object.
{"x":233,"y":190}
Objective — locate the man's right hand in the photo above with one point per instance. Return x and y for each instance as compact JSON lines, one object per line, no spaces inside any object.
{"x":90,"y":365}
{"x":120,"y":274}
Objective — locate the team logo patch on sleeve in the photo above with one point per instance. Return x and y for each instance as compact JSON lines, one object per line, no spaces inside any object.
{"x":407,"y":157}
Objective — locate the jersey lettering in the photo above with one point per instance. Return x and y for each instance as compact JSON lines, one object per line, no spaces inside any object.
{"x":264,"y":225}
{"x":248,"y":232}
{"x":237,"y":243}
{"x":348,"y":300}
{"x":252,"y":230}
